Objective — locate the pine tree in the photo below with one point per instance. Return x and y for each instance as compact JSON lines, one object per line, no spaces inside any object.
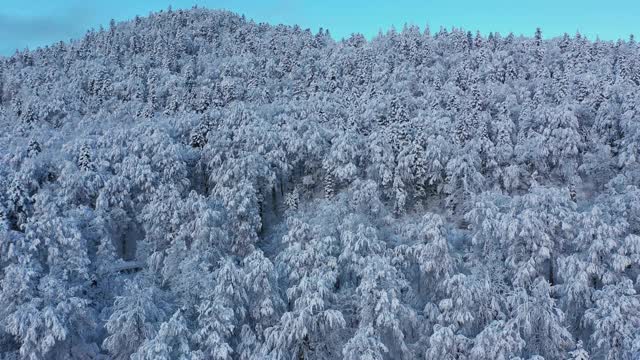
{"x":222,"y":310}
{"x":540,"y":322}
{"x":364,"y":345}
{"x":380,"y":305}
{"x":311,"y":271}
{"x":447,"y":345}
{"x":34,"y":148}
{"x":292,"y":200}
{"x":615,"y":320}
{"x":264,"y":303}
{"x":135,"y":318}
{"x":18,"y":205}
{"x":171,"y":342}
{"x":329,"y":185}
{"x":499,"y":340}
{"x":538,"y":37}
{"x":84,"y":159}
{"x":579,"y":353}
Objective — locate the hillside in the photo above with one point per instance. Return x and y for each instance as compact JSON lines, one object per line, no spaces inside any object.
{"x":193,"y":185}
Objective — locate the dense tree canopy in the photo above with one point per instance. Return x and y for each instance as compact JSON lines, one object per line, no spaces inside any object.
{"x":194,"y":185}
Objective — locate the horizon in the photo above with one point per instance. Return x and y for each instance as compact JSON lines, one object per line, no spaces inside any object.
{"x":42,"y":23}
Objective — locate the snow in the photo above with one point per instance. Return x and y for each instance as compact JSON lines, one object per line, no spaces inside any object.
{"x":194,"y":185}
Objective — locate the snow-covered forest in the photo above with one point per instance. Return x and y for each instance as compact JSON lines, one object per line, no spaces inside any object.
{"x":194,"y":185}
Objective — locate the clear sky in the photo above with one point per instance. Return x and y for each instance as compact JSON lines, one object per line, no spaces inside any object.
{"x":33,"y":23}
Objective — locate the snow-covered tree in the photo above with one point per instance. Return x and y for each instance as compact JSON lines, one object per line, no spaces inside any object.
{"x":311,"y":271}
{"x":221,"y":311}
{"x":499,"y":340}
{"x":136,"y":316}
{"x":615,"y":319}
{"x":171,"y":342}
{"x":364,"y":345}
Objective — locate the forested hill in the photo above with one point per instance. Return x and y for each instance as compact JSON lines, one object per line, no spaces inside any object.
{"x":193,"y":185}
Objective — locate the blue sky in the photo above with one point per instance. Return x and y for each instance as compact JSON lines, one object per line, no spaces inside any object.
{"x":33,"y":23}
